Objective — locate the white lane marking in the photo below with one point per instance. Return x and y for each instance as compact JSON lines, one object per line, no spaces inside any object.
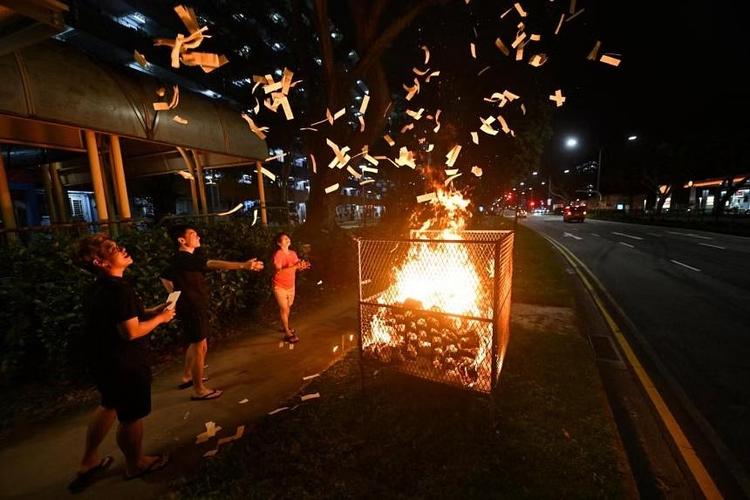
{"x":691,"y":235}
{"x":629,"y":236}
{"x":626,"y":244}
{"x":568,"y":235}
{"x":712,"y":246}
{"x":685,"y":265}
{"x":596,"y":234}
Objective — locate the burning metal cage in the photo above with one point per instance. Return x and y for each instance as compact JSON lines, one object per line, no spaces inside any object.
{"x":438,"y":309}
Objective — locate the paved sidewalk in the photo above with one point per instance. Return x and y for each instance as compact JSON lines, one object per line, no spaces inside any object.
{"x":41,"y":462}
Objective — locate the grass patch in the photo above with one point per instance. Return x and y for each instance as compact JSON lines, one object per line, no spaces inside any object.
{"x":403,"y":437}
{"x":538,"y":274}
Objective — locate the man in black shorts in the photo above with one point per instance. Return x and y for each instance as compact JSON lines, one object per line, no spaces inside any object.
{"x":186,"y":274}
{"x":117,"y":327}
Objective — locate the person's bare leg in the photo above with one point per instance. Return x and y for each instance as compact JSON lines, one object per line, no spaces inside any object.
{"x":130,"y":441}
{"x":284,"y":313}
{"x":289,"y":303}
{"x":187,"y":373}
{"x":99,"y":425}
{"x":200,"y":388}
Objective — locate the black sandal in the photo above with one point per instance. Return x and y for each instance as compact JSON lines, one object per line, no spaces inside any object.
{"x":292,"y":339}
{"x":84,"y":479}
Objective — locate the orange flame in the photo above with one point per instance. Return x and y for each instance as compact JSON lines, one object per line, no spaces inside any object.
{"x":454,"y":292}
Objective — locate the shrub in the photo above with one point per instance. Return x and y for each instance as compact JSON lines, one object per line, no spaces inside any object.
{"x":41,"y":323}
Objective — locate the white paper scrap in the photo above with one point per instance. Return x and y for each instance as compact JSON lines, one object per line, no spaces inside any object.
{"x":267,"y":173}
{"x":595,"y":51}
{"x":520,"y":10}
{"x":557,"y":97}
{"x":476,"y":171}
{"x":310,"y":377}
{"x":422,"y":198}
{"x":559,"y":24}
{"x":474,"y":137}
{"x":365,"y":102}
{"x":243,"y":401}
{"x":140,"y":59}
{"x":473,"y":50}
{"x":612,"y":61}
{"x":333,"y":187}
{"x":452,"y":155}
{"x":450,"y":179}
{"x":278,"y":410}
{"x":233,"y":210}
{"x":306,"y":397}
{"x":353,"y":172}
{"x":426,"y":53}
{"x":180,"y":120}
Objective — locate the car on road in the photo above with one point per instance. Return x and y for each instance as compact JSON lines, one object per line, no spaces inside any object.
{"x":574,"y":213}
{"x":521,"y":213}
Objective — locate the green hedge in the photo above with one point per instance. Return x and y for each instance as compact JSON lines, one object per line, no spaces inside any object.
{"x":41,"y":326}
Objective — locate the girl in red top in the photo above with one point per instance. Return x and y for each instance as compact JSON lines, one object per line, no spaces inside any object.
{"x":287,"y":264}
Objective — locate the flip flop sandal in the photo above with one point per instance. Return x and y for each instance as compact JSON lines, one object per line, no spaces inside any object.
{"x":216,"y":393}
{"x":189,"y":383}
{"x":84,"y":479}
{"x":156,"y":465}
{"x":292,"y":339}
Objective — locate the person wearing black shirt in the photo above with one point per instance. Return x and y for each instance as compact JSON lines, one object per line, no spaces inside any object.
{"x":186,"y":273}
{"x":117,"y":326}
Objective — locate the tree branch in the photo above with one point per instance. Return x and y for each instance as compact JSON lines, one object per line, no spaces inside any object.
{"x":390,"y":34}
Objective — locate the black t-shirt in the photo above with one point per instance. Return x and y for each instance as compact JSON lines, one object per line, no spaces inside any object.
{"x":187,"y":272}
{"x":111,"y":301}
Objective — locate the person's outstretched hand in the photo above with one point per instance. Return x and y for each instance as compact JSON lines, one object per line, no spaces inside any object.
{"x":254,"y":265}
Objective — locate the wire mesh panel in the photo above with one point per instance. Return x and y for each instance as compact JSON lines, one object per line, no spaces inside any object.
{"x":431,"y":308}
{"x":467,"y":234}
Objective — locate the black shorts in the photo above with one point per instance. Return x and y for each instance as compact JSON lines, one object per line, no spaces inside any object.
{"x":194,"y":326}
{"x":127,"y":391}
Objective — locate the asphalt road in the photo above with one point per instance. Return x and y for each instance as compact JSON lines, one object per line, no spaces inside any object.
{"x":687,"y":293}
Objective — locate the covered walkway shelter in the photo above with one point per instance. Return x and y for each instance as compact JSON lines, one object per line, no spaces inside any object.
{"x":64,"y":103}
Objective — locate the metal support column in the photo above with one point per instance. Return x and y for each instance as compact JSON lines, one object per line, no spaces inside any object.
{"x":6,"y":203}
{"x":121,"y":188}
{"x":96,"y":176}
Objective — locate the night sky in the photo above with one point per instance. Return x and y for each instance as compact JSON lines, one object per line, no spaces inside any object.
{"x":680,"y":71}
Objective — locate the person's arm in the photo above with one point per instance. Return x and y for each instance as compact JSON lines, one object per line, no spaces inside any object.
{"x":225,"y":265}
{"x":168,"y":284}
{"x":151,"y":311}
{"x":133,"y":328}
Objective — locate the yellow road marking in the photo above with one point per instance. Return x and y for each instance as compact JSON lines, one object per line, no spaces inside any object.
{"x":699,"y":472}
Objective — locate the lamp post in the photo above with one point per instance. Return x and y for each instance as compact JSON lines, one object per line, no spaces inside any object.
{"x":572,"y":143}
